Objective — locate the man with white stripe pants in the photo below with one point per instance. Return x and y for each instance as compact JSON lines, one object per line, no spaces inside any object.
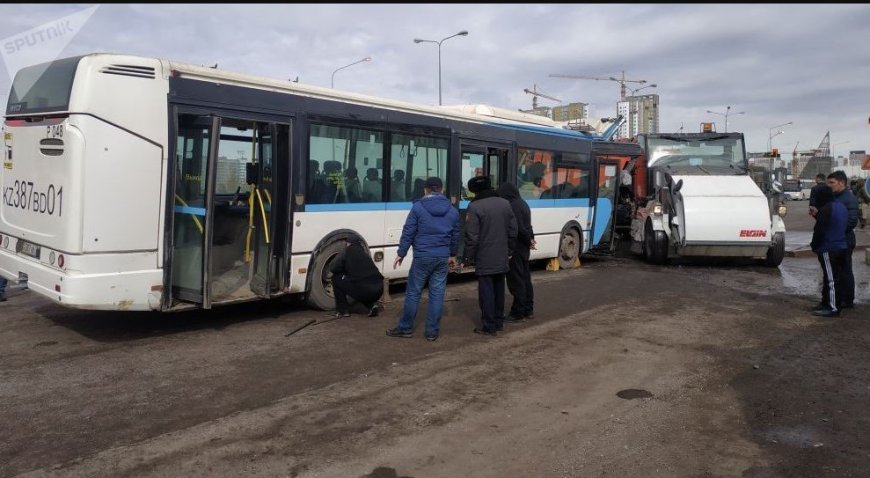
{"x":829,"y":243}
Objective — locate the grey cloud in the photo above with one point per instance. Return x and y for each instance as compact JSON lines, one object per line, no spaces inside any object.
{"x":806,"y":63}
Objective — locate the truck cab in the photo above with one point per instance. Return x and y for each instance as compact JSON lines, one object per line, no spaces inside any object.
{"x":695,"y":198}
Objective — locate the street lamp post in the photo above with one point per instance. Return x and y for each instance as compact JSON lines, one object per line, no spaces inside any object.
{"x":725,"y":114}
{"x":634,"y":92}
{"x":834,"y":158}
{"x":332,"y":82}
{"x":771,"y":134}
{"x":438,"y":42}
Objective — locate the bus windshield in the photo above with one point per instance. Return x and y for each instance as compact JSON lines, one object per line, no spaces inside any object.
{"x":42,"y":88}
{"x":698,"y":157}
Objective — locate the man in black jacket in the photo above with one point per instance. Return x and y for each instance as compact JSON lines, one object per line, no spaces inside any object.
{"x":354,"y":274}
{"x":490,"y":236}
{"x":820,"y":181}
{"x":519,"y":277}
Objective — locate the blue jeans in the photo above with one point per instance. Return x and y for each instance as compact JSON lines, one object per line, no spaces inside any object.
{"x":434,"y":271}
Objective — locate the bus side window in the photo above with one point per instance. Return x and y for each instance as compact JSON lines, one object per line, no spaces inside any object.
{"x":412,"y":160}
{"x":535,"y":173}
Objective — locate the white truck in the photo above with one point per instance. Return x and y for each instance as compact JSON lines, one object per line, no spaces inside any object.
{"x":696,"y":199}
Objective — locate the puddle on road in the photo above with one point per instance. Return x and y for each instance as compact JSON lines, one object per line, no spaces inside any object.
{"x":632,"y":393}
{"x":803,"y":276}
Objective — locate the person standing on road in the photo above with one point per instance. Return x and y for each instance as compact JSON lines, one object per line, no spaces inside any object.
{"x":432,"y":229}
{"x":863,"y":202}
{"x":355,"y":274}
{"x":490,"y":237}
{"x":820,"y":181}
{"x":838,"y":184}
{"x":519,"y":277}
{"x":829,"y":243}
{"x":2,"y":289}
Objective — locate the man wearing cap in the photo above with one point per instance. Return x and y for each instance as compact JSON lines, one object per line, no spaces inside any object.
{"x":432,"y":229}
{"x":490,"y":239}
{"x":355,"y":274}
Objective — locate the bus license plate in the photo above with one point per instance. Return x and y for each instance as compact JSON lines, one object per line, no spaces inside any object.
{"x":29,"y":249}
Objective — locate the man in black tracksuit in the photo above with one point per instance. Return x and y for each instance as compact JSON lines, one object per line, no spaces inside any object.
{"x":354,"y":274}
{"x":519,"y":277}
{"x":490,"y":237}
{"x":829,"y":243}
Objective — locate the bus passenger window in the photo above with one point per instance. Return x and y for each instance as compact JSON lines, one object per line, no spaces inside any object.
{"x":343,"y":152}
{"x":412,"y":160}
{"x":535,"y":173}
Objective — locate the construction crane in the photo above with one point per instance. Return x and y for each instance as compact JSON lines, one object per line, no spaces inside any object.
{"x":622,"y":81}
{"x":535,"y":94}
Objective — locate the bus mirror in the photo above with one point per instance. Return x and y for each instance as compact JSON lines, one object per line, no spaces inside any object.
{"x":251,"y":173}
{"x":678,"y":186}
{"x":776,"y":186}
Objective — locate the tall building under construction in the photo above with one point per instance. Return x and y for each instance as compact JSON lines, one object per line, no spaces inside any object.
{"x":641,"y":115}
{"x":807,"y":164}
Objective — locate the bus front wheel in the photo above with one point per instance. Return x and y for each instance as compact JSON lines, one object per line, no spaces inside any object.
{"x":320,"y":294}
{"x":569,"y":248}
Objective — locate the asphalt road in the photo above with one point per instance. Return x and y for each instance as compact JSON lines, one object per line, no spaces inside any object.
{"x":628,"y":369}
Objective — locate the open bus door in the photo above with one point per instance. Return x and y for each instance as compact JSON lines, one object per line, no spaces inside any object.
{"x":605,"y":203}
{"x":227,"y":180}
{"x":615,"y":201}
{"x":479,"y":159}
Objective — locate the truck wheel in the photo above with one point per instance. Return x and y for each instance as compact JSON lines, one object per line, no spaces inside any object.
{"x":320,"y":296}
{"x":776,"y":252}
{"x":569,"y":248}
{"x":655,"y":245}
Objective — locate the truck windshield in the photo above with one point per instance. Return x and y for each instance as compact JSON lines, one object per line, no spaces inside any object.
{"x":715,"y":155}
{"x":42,"y":88}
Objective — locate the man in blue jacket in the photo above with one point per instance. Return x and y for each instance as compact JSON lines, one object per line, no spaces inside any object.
{"x":432,"y":229}
{"x":838,"y":184}
{"x":829,"y":243}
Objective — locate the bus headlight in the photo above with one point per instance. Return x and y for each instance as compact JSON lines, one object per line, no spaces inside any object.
{"x":657,"y":210}
{"x":781,"y":210}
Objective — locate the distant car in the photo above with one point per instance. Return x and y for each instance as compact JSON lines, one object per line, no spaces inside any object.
{"x":797,"y":195}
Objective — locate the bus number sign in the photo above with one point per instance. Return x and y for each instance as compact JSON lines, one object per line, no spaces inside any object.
{"x":27,"y":196}
{"x":54,"y":131}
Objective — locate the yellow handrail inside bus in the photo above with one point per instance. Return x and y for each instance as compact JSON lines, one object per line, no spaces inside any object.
{"x":195,"y":219}
{"x":251,"y":205}
{"x":252,"y":197}
{"x":263,"y":212}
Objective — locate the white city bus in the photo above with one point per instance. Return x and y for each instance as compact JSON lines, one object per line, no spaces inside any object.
{"x":135,"y":183}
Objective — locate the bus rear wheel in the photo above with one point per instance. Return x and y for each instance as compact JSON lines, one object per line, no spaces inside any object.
{"x":320,"y":295}
{"x":569,"y":248}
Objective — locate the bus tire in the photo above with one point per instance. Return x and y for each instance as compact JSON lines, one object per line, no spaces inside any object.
{"x":320,"y":295}
{"x":776,"y":252}
{"x":655,"y":245}
{"x":569,"y":248}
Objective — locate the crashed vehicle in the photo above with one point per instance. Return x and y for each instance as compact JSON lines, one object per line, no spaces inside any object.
{"x":694,"y":198}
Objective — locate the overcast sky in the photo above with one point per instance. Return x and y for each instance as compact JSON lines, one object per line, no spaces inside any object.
{"x":808,"y":64}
